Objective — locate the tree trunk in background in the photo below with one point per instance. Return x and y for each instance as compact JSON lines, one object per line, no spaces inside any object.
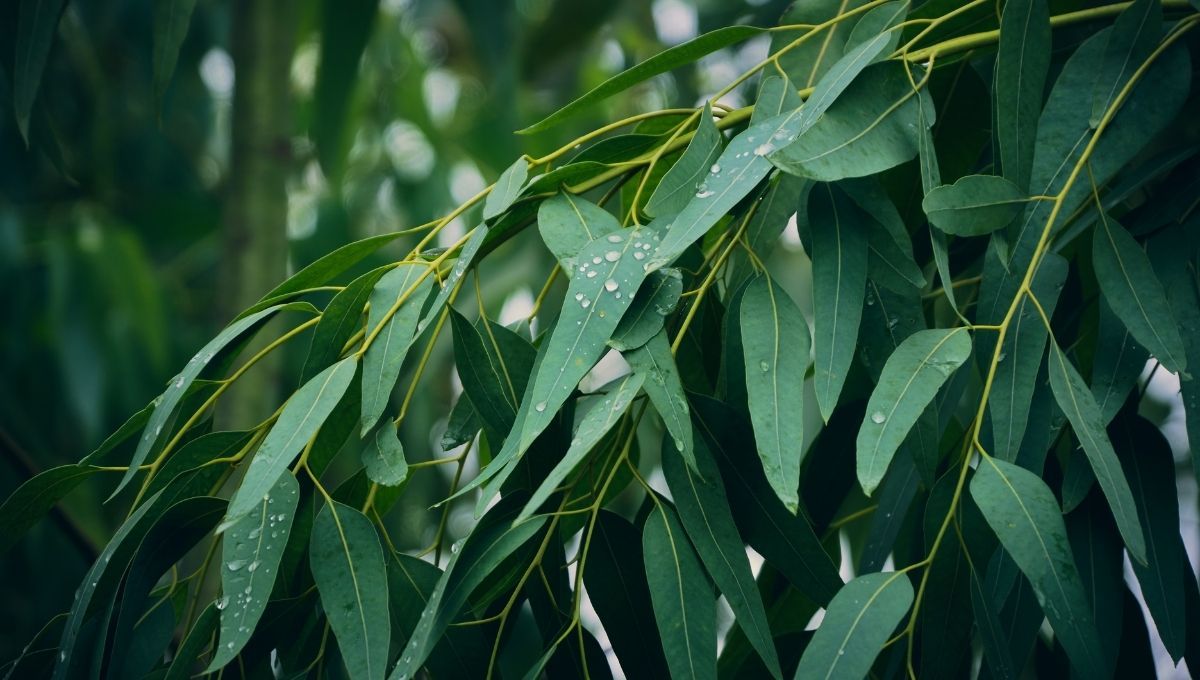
{"x":254,"y":258}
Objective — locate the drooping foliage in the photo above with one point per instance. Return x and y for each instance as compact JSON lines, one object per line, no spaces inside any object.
{"x":951,"y":390}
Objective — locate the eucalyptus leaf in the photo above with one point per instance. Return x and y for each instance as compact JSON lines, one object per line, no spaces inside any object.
{"x":857,"y":623}
{"x":396,"y":303}
{"x":680,"y":183}
{"x":1022,"y":62}
{"x":384,"y":458}
{"x":655,"y":363}
{"x":37,"y":23}
{"x":655,"y":300}
{"x":1135,"y":34}
{"x":974,"y":205}
{"x":775,"y":346}
{"x":171,"y":21}
{"x":35,"y":497}
{"x":508,"y":187}
{"x":568,"y":223}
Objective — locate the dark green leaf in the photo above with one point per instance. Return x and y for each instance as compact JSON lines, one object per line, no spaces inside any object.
{"x":171,"y":21}
{"x":37,"y":24}
{"x":680,"y":183}
{"x":839,"y":270}
{"x":1118,"y":363}
{"x":1076,"y":401}
{"x":198,"y":639}
{"x":974,"y":205}
{"x":684,"y":605}
{"x":775,"y":352}
{"x":656,"y":364}
{"x":298,"y":422}
{"x":1134,"y":36}
{"x":347,"y":564}
{"x":1022,"y":61}
{"x":910,"y":379}
{"x":1027,"y":520}
{"x":35,"y":497}
{"x":494,"y":365}
{"x":325,"y":268}
{"x":402,"y":293}
{"x":384,"y":458}
{"x":662,"y":62}
{"x":656,"y":299}
{"x":857,"y":623}
{"x":342,"y":318}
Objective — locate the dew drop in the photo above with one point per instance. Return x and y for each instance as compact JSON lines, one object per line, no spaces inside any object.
{"x":878,"y":418}
{"x":763,"y":149}
{"x":612,"y":256}
{"x":253,"y":566}
{"x":235,"y":565}
{"x":614,"y":238}
{"x":596,"y":260}
{"x":591,"y":274}
{"x":715,"y":169}
{"x":764,"y":366}
{"x":703,"y":194}
{"x":578,"y":297}
{"x":610,"y":285}
{"x":639,"y":255}
{"x":541,"y":406}
{"x":585,"y":303}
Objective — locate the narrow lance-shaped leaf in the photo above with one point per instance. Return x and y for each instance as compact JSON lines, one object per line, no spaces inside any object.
{"x":678,"y":186}
{"x":1022,"y":61}
{"x":1118,"y":362}
{"x":1147,"y":460}
{"x":911,"y":378}
{"x":568,"y":223}
{"x":1134,"y":36}
{"x":35,"y":497}
{"x":1133,"y":291}
{"x":839,"y":265}
{"x":684,"y":604}
{"x":776,"y":94}
{"x":735,"y":174}
{"x":340,"y":320}
{"x":775,"y":347}
{"x":601,"y":417}
{"x":1077,"y":402}
{"x":171,"y":20}
{"x":384,"y":458}
{"x":507,"y":189}
{"x":655,"y":300}
{"x":179,"y":387}
{"x":466,"y":258}
{"x":298,"y":422}
{"x":663,"y":385}
{"x":857,"y":624}
{"x":250,"y":554}
{"x":1022,"y":511}
{"x":871,"y":127}
{"x":392,"y":335}
{"x":347,"y":565}
{"x":704,"y":510}
{"x":198,"y":639}
{"x":975,"y":205}
{"x":662,"y":62}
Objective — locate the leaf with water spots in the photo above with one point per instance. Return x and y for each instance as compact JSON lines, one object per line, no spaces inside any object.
{"x":401,"y":293}
{"x":347,"y":565}
{"x":775,"y":346}
{"x":683,"y":600}
{"x":839,"y":271}
{"x":250,"y":554}
{"x":568,"y":223}
{"x":664,"y":386}
{"x":680,"y":183}
{"x":1022,"y":511}
{"x":602,"y":415}
{"x":1135,"y":294}
{"x":298,"y":422}
{"x":910,"y":379}
{"x":655,"y":300}
{"x":1077,"y":402}
{"x":857,"y":624}
{"x":974,"y":205}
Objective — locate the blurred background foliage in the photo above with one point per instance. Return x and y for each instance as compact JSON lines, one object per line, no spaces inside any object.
{"x":135,"y":223}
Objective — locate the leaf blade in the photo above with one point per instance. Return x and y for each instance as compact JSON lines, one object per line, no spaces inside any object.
{"x":857,"y":623}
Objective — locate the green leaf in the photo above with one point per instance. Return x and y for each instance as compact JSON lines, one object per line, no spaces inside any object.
{"x":684,"y":605}
{"x":508,"y":187}
{"x":462,"y":424}
{"x":198,"y":639}
{"x":466,"y":258}
{"x":494,"y":365}
{"x":568,"y":224}
{"x":347,"y":565}
{"x":664,"y":61}
{"x":839,"y":271}
{"x":806,"y":62}
{"x":325,"y":268}
{"x":1133,"y":291}
{"x":616,"y":586}
{"x":1077,"y":402}
{"x":735,"y":174}
{"x":178,"y":388}
{"x":655,"y":300}
{"x":975,"y":205}
{"x":871,"y":127}
{"x":889,"y":247}
{"x":35,"y":497}
{"x":704,"y":510}
{"x":37,"y":24}
{"x":770,"y":219}
{"x":384,"y":458}
{"x":1146,"y":457}
{"x":786,"y":541}
{"x":602,"y":415}
{"x":679,"y":185}
{"x":911,"y":378}
{"x":1022,"y":62}
{"x":393,"y":335}
{"x":250,"y":553}
{"x":857,"y":623}
{"x":462,"y":651}
{"x":1135,"y":34}
{"x":996,"y":652}
{"x":1118,"y":362}
{"x":469,"y":566}
{"x":598,"y":296}
{"x":298,"y":422}
{"x":1021,"y":356}
{"x":776,"y":94}
{"x":1022,"y":511}
{"x":775,"y":346}
{"x":663,"y":385}
{"x":341,"y":319}
{"x":171,"y":20}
